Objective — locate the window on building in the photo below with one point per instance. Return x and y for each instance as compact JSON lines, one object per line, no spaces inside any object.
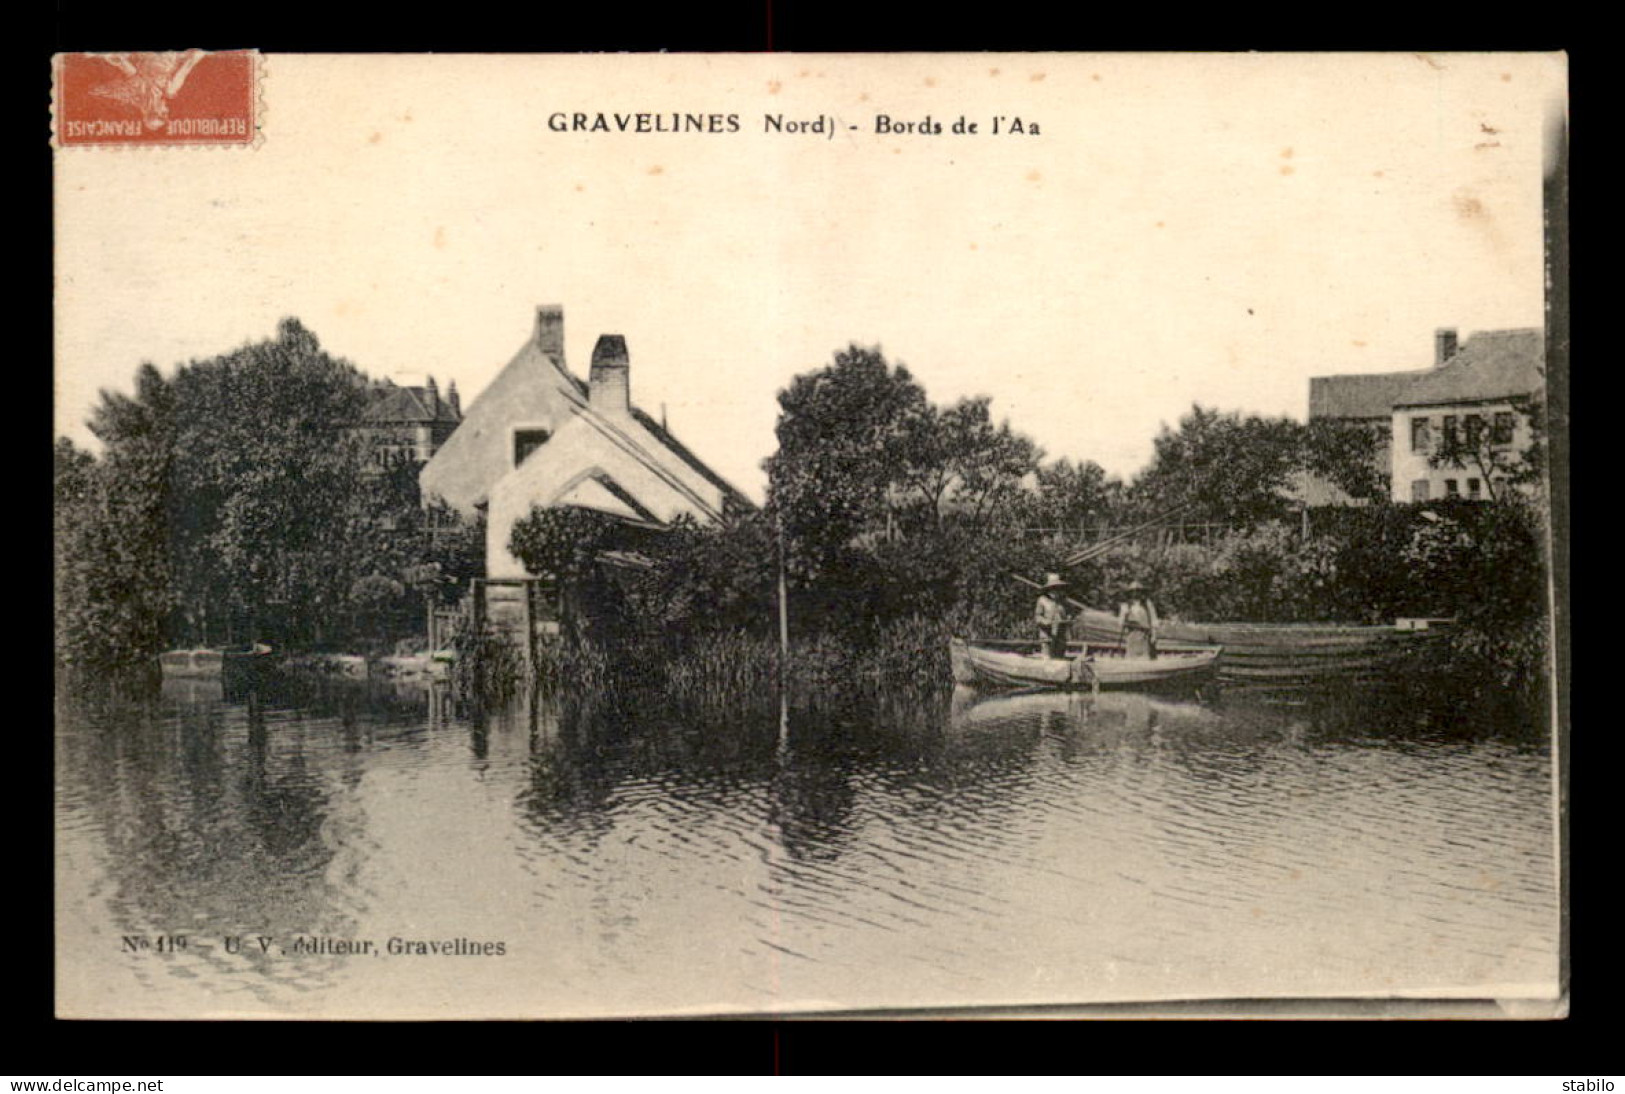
{"x":1450,"y":437}
{"x":1452,"y":489}
{"x":1419,"y":490}
{"x":526,"y":441}
{"x":1475,"y":489}
{"x":1501,"y":431}
{"x":1475,"y":429}
{"x":1419,"y":434}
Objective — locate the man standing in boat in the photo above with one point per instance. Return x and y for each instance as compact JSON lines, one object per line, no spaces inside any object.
{"x":1053,"y":617}
{"x":1138,"y":620}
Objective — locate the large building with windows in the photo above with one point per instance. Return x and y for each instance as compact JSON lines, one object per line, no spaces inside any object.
{"x":1453,"y":430}
{"x":1460,"y":428}
{"x":407,"y":423}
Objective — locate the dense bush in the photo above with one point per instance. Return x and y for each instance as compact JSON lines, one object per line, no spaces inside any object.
{"x":563,"y":542}
{"x":1479,"y":564}
{"x":902,"y":523}
{"x":230,"y":503}
{"x":718,"y":578}
{"x":233,"y":502}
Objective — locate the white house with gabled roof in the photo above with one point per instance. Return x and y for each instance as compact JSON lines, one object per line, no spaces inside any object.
{"x":538,"y":436}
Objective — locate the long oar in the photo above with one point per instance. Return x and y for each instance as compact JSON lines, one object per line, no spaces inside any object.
{"x":1080,"y":557}
{"x":1091,"y":551}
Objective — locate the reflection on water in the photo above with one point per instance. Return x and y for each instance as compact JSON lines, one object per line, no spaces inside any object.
{"x":1025,"y":848}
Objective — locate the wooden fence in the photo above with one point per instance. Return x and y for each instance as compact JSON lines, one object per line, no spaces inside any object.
{"x":1178,"y":532}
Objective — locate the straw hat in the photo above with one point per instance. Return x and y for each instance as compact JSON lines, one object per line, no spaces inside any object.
{"x":1134,"y":587}
{"x":1056,"y":581}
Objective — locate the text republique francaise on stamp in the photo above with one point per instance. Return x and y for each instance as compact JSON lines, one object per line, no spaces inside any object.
{"x":179,"y":98}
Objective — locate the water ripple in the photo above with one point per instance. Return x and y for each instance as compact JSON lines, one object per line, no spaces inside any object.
{"x":1027,"y":847}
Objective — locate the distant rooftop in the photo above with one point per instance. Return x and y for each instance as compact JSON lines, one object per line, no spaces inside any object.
{"x":1491,"y":364}
{"x":1363,"y":395}
{"x":388,"y":402}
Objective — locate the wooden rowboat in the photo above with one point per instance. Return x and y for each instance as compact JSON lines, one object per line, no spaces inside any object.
{"x":1021,"y":664}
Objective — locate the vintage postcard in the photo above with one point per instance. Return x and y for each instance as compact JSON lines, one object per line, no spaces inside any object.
{"x":560,"y":536}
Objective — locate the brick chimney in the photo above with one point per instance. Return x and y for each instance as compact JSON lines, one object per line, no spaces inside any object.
{"x":1444,"y":345}
{"x":434,"y":396}
{"x":608,"y":384}
{"x":452,"y":400}
{"x":549,"y":336}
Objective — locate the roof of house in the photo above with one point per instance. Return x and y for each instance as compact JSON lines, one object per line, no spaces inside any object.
{"x":394,"y":403}
{"x":1492,"y":364}
{"x":535,"y":388}
{"x":1364,"y":395}
{"x":679,"y":450}
{"x":624,"y":496}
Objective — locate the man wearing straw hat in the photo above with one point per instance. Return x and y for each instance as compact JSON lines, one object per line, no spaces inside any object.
{"x":1138,"y":619}
{"x":1053,"y":617}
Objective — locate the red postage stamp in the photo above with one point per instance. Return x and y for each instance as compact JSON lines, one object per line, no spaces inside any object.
{"x":185,"y":97}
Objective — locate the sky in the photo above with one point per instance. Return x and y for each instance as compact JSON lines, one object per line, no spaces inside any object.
{"x":1182,"y":229}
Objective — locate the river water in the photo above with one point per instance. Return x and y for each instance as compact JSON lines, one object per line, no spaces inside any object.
{"x":367,"y":849}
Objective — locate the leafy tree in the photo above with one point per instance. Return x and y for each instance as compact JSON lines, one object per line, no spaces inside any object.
{"x":374,"y":596}
{"x":271,"y":493}
{"x":881,"y":498}
{"x":989,"y":463}
{"x":113,"y":565}
{"x":234,"y":501}
{"x":843,"y":432}
{"x":1486,"y":565}
{"x":562,"y":541}
{"x":75,"y":485}
{"x":567,"y":543}
{"x":1070,"y":495}
{"x":1499,"y":461}
{"x":864,"y":454}
{"x":707,"y":577}
{"x":1345,"y":454}
{"x":955,"y":462}
{"x":1231,"y":468}
{"x":73,"y":477}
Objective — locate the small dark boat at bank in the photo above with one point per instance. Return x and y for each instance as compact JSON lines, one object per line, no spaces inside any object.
{"x":216,"y":662}
{"x":998,"y":663}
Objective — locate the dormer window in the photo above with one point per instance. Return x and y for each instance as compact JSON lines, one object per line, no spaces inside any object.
{"x":526,"y":441}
